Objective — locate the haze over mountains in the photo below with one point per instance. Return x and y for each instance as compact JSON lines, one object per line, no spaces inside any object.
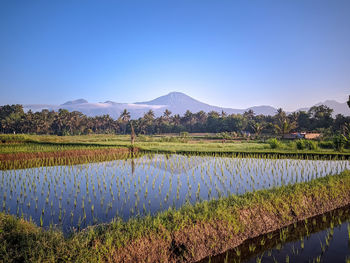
{"x":176,"y":102}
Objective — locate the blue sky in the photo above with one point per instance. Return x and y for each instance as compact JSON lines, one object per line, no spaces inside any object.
{"x":288,"y":54}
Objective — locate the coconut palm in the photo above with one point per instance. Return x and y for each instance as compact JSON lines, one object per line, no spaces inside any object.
{"x":167,"y":114}
{"x":258,"y":128}
{"x":176,"y":119}
{"x":285,"y":126}
{"x":125,"y":117}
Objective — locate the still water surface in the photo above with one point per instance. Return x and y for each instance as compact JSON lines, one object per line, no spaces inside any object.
{"x":79,"y":195}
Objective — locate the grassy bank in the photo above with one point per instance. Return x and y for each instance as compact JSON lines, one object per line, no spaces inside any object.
{"x":188,"y":234}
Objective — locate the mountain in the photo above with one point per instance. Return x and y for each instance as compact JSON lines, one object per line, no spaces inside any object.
{"x":176,"y":102}
{"x":74,"y":102}
{"x":172,"y":99}
{"x":338,"y":107}
{"x":179,"y":103}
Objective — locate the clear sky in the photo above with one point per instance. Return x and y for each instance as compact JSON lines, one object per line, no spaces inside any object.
{"x":289,"y":53}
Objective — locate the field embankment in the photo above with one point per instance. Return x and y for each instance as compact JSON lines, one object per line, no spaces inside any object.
{"x":185,"y":235}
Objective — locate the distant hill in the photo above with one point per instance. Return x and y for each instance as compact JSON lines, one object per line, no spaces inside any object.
{"x":75,"y":102}
{"x":179,"y":103}
{"x":338,"y":107}
{"x":176,"y":102}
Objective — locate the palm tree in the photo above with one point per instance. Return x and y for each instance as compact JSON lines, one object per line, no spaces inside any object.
{"x":149,"y":116}
{"x":285,"y":127}
{"x":125,"y":117}
{"x":249,"y":115}
{"x":176,"y":119}
{"x":188,"y":119}
{"x":258,"y":128}
{"x":167,"y":114}
{"x":280,"y":116}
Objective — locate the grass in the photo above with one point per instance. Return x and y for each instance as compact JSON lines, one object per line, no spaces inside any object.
{"x":22,"y":241}
{"x":15,"y":144}
{"x":35,"y":143}
{"x":30,"y":147}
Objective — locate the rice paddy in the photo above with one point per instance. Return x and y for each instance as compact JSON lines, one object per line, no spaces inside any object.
{"x":75,"y":196}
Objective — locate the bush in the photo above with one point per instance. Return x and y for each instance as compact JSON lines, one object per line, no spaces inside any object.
{"x":300,"y":145}
{"x":306,"y":144}
{"x":223,"y":135}
{"x":338,"y":142}
{"x":326,"y":144}
{"x":311,"y":145}
{"x":184,"y":134}
{"x":274,"y":143}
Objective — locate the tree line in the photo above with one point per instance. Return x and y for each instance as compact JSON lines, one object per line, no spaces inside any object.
{"x":13,"y":119}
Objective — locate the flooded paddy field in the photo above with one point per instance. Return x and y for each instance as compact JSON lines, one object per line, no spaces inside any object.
{"x":75,"y":196}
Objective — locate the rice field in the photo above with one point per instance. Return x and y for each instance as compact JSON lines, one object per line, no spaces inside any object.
{"x":75,"y":196}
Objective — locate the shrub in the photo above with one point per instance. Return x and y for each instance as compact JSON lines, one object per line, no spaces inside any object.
{"x":311,"y":145}
{"x":274,"y":143}
{"x":338,"y":142}
{"x":305,"y":144}
{"x":224,"y":135}
{"x":326,"y":144}
{"x":300,"y":145}
{"x":184,"y":134}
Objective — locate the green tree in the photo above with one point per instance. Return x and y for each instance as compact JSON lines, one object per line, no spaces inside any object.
{"x":285,"y":127}
{"x":321,"y":116}
{"x":258,"y":127}
{"x":124,"y":117}
{"x":167,"y":114}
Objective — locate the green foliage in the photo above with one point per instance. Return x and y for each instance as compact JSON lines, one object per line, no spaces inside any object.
{"x":13,"y":119}
{"x":8,"y":138}
{"x":338,"y":142}
{"x":306,"y":144}
{"x":326,"y":144}
{"x":274,"y":143}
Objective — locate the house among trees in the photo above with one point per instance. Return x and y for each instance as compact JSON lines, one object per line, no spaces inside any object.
{"x":301,"y":135}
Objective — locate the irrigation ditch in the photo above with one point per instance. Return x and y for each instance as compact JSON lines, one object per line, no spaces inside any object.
{"x":295,"y":233}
